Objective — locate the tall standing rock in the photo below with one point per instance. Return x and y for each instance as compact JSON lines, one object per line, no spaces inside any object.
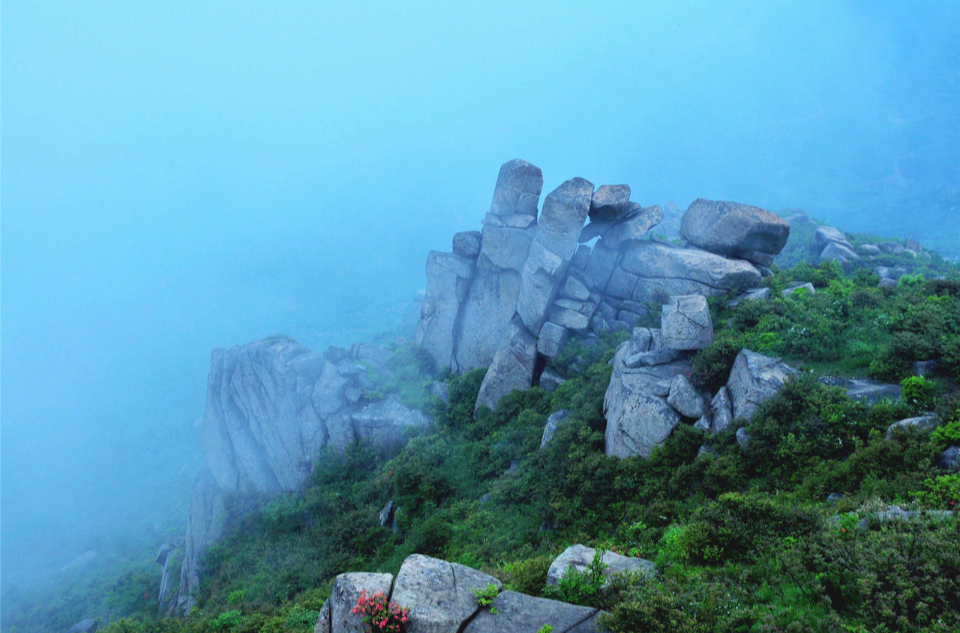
{"x":508,"y":231}
{"x":448,"y":281}
{"x":731,"y":228}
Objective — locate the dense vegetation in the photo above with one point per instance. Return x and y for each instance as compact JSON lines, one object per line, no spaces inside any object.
{"x":745,"y":539}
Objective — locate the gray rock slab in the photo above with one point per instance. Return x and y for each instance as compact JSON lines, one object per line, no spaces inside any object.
{"x":686,"y":323}
{"x":564,"y":212}
{"x":732,"y":228}
{"x":485,"y":321}
{"x":721,"y":411}
{"x":949,"y":460}
{"x":504,"y":247}
{"x":512,"y":368}
{"x":519,"y":613}
{"x":837,"y":251}
{"x":448,"y":277}
{"x":552,"y":339}
{"x":550,"y":380}
{"x":89,"y":625}
{"x":826,"y":234}
{"x":574,"y":288}
{"x":518,"y":189}
{"x":686,"y":399}
{"x":438,"y":594}
{"x":792,"y":288}
{"x":553,"y":423}
{"x":754,"y":379}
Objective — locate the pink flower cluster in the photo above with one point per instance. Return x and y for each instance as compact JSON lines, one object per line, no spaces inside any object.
{"x":381,"y":615}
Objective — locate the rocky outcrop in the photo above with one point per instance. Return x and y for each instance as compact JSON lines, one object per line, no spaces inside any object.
{"x":553,"y":423}
{"x":439,"y":598}
{"x":734,"y":229}
{"x":273,"y":404}
{"x":204,"y":528}
{"x":754,"y":379}
{"x":579,"y":558}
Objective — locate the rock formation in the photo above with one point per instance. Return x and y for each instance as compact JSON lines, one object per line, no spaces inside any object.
{"x":439,"y":598}
{"x":514,"y":297}
{"x":579,"y":557}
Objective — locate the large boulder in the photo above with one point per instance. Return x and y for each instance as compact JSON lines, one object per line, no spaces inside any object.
{"x":579,"y":558}
{"x":519,"y":613}
{"x":438,"y":594}
{"x":512,"y":368}
{"x":686,"y":399}
{"x":721,"y":411}
{"x":204,"y":528}
{"x":839,"y":252}
{"x":731,"y":228}
{"x":825,"y":235}
{"x":564,"y":212}
{"x":685,"y":323}
{"x":663,"y":270}
{"x":754,"y":379}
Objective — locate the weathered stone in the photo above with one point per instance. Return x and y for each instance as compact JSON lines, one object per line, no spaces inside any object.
{"x":666,"y":270}
{"x":386,"y":514}
{"x":704,"y":450}
{"x":825,"y":235}
{"x":637,"y":421}
{"x":600,"y":265}
{"x":923,"y":367}
{"x":550,"y":380}
{"x":731,"y":228}
{"x":949,"y":460}
{"x":518,"y":189}
{"x":913,"y":245}
{"x":764,"y":260}
{"x":519,"y":613}
{"x":485,"y":319}
{"x":754,"y":294}
{"x":261,"y":430}
{"x":923,"y":422}
{"x":579,"y":558}
{"x":870,"y":250}
{"x":553,"y":423}
{"x":504,"y":248}
{"x":891,"y":247}
{"x":839,"y":252}
{"x":538,"y":285}
{"x":448,"y":276}
{"x":610,"y":202}
{"x":467,"y":243}
{"x":887,"y":283}
{"x":564,"y":211}
{"x":438,"y":594}
{"x":834,"y":497}
{"x":685,"y":323}
{"x":864,"y":390}
{"x":621,"y":283}
{"x":323,"y":624}
{"x":204,"y":528}
{"x":387,"y":422}
{"x":686,"y":399}
{"x":580,"y":258}
{"x":343,"y":597}
{"x":704,"y":423}
{"x":633,"y":227}
{"x":721,"y":411}
{"x":570,"y":319}
{"x":743,"y":438}
{"x":512,"y":368}
{"x":575,"y":289}
{"x":585,"y":308}
{"x":552,"y":338}
{"x":754,"y":379}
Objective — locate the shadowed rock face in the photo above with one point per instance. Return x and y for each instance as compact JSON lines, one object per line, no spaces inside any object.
{"x":204,"y":528}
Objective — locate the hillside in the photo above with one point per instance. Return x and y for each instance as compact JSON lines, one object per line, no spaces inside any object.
{"x":557,"y":397}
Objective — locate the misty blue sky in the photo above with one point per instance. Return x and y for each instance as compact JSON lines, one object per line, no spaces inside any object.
{"x":180,"y":176}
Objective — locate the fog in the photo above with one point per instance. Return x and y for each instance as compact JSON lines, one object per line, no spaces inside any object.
{"x":182,"y":176}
